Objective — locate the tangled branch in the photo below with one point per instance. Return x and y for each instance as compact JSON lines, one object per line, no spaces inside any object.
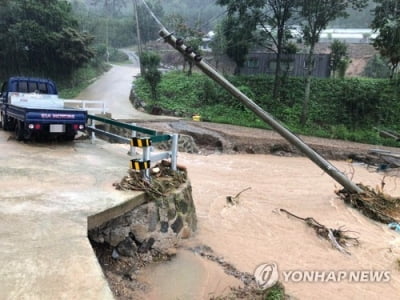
{"x":338,"y":237}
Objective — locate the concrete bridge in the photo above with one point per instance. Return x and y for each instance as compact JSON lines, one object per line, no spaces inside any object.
{"x":50,"y":194}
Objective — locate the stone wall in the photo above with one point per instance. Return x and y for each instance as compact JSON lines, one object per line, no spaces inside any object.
{"x":158,"y":224}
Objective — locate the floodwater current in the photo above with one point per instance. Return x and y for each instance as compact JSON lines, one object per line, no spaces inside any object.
{"x":255,"y":232}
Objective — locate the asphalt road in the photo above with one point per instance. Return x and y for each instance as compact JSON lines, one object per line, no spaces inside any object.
{"x":113,"y":87}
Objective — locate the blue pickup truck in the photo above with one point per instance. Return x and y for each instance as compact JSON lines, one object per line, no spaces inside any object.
{"x":30,"y":106}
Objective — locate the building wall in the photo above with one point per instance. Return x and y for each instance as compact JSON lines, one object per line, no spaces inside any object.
{"x":293,"y":64}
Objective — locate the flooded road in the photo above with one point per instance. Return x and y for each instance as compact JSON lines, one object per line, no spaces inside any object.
{"x":254,"y":232}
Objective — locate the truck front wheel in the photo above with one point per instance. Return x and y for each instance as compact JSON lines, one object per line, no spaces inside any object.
{"x":3,"y":123}
{"x":19,"y":131}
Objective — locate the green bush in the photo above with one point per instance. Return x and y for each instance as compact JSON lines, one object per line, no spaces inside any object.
{"x":346,"y":109}
{"x":118,"y":56}
{"x":377,"y":67}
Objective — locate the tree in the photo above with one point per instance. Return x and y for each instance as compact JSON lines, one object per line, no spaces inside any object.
{"x":111,"y":8}
{"x":42,"y":37}
{"x":339,"y":58}
{"x":316,"y":15}
{"x":218,"y":44}
{"x":387,"y":22}
{"x":238,"y":41}
{"x":377,"y":68}
{"x":197,"y":13}
{"x":268,"y":20}
{"x":192,"y":37}
{"x":148,"y":28}
{"x":150,"y":62}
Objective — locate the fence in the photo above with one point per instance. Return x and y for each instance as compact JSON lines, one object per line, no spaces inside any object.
{"x":147,"y":138}
{"x":91,"y":106}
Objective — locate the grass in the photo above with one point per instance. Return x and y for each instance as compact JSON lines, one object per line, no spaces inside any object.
{"x":81,"y":79}
{"x":277,"y":292}
{"x":332,"y":115}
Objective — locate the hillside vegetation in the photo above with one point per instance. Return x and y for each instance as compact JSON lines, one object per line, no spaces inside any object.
{"x":348,"y":109}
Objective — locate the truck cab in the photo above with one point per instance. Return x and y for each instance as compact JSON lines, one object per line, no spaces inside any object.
{"x":27,"y":85}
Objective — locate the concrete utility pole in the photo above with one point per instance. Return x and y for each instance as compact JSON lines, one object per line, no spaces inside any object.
{"x":139,"y":39}
{"x":263,"y":115}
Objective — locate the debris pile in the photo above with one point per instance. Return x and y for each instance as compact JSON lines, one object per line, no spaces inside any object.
{"x":161,"y":182}
{"x":373,"y":203}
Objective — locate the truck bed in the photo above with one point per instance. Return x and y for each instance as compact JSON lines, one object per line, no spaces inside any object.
{"x":64,"y":115}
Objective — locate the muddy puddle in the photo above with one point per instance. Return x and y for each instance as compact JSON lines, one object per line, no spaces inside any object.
{"x":186,"y":276}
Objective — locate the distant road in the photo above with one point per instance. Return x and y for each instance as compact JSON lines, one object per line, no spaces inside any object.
{"x":113,"y":87}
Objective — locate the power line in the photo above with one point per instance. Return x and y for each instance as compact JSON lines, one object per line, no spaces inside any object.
{"x":157,"y":20}
{"x":153,"y":15}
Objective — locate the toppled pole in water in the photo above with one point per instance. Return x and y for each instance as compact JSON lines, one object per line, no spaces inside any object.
{"x":331,"y":170}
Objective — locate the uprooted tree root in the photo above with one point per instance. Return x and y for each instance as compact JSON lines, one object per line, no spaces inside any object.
{"x":338,"y":237}
{"x":161,"y":182}
{"x":373,"y":203}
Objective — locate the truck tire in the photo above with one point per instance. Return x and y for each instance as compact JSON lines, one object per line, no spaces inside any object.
{"x":4,"y":123}
{"x":19,"y":131}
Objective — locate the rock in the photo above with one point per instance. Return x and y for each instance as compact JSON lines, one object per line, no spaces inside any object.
{"x":117,"y":235}
{"x":115,"y":254}
{"x":146,"y":245}
{"x":171,"y":213}
{"x":163,"y":213}
{"x":165,"y":241}
{"x":182,"y":207}
{"x":152,"y":218}
{"x":171,"y":251}
{"x":185,"y":233}
{"x":127,"y":247}
{"x":164,"y":227}
{"x":139,"y":232}
{"x":177,"y":225}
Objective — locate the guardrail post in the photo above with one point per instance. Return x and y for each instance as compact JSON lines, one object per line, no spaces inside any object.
{"x":93,"y":137}
{"x":146,"y":157}
{"x":132,"y":150}
{"x":174,"y":151}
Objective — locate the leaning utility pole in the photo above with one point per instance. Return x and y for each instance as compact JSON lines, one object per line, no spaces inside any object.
{"x":139,"y":39}
{"x":178,"y":44}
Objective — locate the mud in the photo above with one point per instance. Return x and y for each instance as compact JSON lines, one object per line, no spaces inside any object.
{"x":231,"y":139}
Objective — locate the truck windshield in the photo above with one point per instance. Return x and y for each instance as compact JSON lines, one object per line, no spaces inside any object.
{"x":32,"y":87}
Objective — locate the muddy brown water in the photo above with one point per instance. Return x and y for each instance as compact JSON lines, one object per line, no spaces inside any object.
{"x":254,"y":232}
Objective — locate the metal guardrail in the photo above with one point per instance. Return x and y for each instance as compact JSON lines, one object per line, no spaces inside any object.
{"x":147,"y":150}
{"x":92,"y":106}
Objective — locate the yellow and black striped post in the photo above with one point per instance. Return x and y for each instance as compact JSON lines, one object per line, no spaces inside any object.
{"x":140,"y":165}
{"x":141,"y":142}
